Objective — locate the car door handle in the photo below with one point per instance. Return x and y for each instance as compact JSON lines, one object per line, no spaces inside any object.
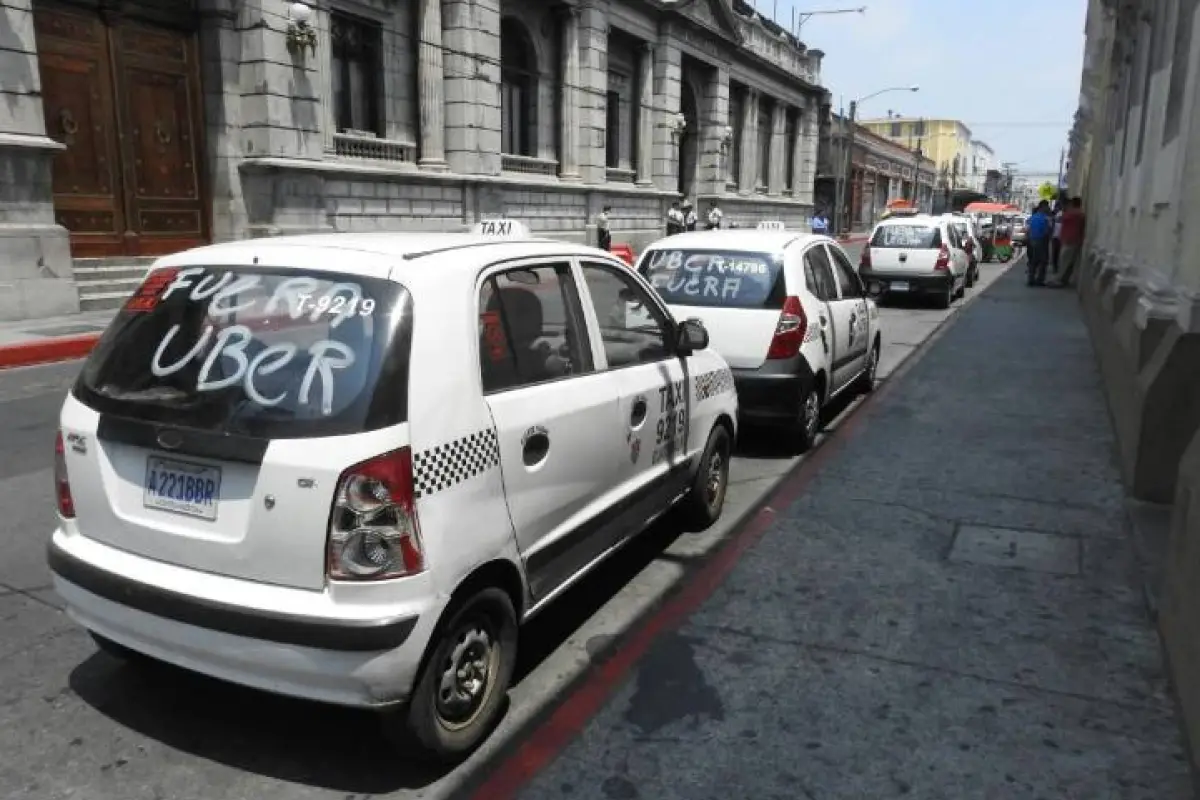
{"x":638,"y":415}
{"x":535,"y":449}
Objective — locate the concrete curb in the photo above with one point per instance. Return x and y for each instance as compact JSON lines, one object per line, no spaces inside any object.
{"x":46,"y":351}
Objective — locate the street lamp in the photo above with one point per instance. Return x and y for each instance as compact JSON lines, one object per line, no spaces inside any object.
{"x":844,"y":171}
{"x":804,"y":16}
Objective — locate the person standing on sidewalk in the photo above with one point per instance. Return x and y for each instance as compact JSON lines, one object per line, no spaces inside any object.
{"x":1073,"y":224}
{"x":674,"y":219}
{"x":604,"y":229}
{"x":715,"y":216}
{"x":819,"y":224}
{"x":1038,"y":253}
{"x":689,"y":216}
{"x":1056,"y":240}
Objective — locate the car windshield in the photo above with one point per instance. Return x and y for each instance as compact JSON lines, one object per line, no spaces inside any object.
{"x":275,"y":354}
{"x":907,"y":236}
{"x":715,"y":278}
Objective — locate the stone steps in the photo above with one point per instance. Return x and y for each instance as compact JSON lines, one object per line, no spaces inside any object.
{"x":105,"y":283}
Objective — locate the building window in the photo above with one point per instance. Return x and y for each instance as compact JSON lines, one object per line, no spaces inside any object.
{"x":1180,"y":62}
{"x":919,"y":128}
{"x":518,"y":90}
{"x":612,"y":130}
{"x":736,"y":114}
{"x":1156,"y":32}
{"x":895,"y":130}
{"x":357,"y":64}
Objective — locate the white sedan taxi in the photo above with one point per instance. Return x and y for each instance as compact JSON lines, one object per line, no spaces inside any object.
{"x":347,"y":467}
{"x":786,"y":310}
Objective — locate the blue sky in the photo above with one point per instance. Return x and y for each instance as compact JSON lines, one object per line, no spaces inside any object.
{"x":981,"y":61}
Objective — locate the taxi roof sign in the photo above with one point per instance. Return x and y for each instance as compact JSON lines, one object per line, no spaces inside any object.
{"x":772,"y":225}
{"x":500,"y":228}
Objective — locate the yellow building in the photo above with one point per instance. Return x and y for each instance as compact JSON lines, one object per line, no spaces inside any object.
{"x":947,"y":142}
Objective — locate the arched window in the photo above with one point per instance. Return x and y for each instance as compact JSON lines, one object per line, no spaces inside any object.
{"x":518,"y":90}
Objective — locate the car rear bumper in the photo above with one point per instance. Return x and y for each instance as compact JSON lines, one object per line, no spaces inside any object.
{"x":920,"y":283}
{"x":367,"y":661}
{"x":772,"y":393}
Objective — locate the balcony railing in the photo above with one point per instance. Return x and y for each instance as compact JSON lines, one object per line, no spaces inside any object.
{"x":619,"y":175}
{"x":371,"y":148}
{"x":528,"y":165}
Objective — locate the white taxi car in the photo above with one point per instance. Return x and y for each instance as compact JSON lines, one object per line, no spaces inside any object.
{"x":784,"y":308}
{"x":346,"y":467}
{"x":916,"y":256}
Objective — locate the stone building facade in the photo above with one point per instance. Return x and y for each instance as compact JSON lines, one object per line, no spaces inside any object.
{"x":880,"y":171}
{"x":1135,"y":159}
{"x":137,"y":127}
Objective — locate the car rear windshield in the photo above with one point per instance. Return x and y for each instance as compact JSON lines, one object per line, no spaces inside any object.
{"x":256,"y":352}
{"x":716,"y":278}
{"x":909,"y":237}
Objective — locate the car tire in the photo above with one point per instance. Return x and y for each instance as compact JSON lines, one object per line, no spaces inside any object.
{"x":802,"y":434}
{"x":946,"y":299}
{"x":702,"y":505}
{"x":480,"y":633}
{"x":866,"y":381}
{"x":971,"y":277}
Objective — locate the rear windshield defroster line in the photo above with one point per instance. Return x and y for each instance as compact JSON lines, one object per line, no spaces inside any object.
{"x":715,"y":278}
{"x":272,"y":354}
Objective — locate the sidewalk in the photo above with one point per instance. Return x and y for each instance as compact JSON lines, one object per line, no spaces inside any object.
{"x":949,"y":609}
{"x":37,"y":341}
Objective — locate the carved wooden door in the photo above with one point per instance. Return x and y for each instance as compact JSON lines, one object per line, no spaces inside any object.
{"x":123,"y":97}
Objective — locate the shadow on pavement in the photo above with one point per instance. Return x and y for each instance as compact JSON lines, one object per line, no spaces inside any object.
{"x":326,"y":746}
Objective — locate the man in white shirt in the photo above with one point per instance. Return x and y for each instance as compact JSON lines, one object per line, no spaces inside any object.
{"x":674,"y":219}
{"x":714,"y":217}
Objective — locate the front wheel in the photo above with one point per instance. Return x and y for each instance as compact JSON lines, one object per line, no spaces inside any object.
{"x":461,"y":689}
{"x":803,"y":432}
{"x":702,"y":505}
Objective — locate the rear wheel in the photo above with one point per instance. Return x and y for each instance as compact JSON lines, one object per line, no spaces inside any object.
{"x":461,"y":689}
{"x":946,"y":298}
{"x":703,"y":503}
{"x":866,"y":381}
{"x":803,"y":431}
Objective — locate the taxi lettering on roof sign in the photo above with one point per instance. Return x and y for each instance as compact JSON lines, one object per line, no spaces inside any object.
{"x":500,"y":227}
{"x":772,"y":225}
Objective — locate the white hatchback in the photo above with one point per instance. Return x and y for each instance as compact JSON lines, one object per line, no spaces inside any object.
{"x":784,"y":308}
{"x":345,"y":467}
{"x":918,"y":255}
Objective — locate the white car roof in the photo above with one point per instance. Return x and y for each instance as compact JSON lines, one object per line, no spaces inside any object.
{"x":399,"y":251}
{"x":749,"y":239}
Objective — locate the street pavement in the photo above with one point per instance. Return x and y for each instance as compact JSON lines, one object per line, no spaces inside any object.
{"x":75,"y":723}
{"x":948,"y":609}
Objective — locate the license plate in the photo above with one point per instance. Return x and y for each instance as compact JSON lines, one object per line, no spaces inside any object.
{"x":182,"y":487}
{"x":899,"y":286}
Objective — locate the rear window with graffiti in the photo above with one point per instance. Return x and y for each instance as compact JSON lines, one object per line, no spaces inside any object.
{"x":909,"y":237}
{"x":275,"y":354}
{"x":716,"y":278}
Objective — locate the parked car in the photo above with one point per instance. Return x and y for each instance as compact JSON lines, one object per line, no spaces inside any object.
{"x":784,"y":308}
{"x":971,"y":244}
{"x":346,"y":467}
{"x":915,"y":256}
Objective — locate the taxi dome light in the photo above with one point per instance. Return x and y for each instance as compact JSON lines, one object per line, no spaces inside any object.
{"x":500,"y":228}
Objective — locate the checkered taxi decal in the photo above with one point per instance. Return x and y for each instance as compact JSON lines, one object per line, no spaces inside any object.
{"x":711,"y":384}
{"x":447,"y":465}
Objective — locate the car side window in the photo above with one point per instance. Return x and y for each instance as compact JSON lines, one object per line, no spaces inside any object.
{"x":530,"y":329}
{"x":818,"y":274}
{"x":847,"y":278}
{"x":633,"y":329}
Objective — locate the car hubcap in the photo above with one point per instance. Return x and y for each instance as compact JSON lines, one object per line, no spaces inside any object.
{"x":466,"y":673}
{"x":715,"y":483}
{"x":812,"y":413}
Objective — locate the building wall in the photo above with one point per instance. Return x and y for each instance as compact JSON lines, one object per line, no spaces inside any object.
{"x":280,"y":158}
{"x":946,"y":141}
{"x":1134,"y":160}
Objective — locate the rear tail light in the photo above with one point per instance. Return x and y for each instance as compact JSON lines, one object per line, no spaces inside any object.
{"x":62,"y":485}
{"x":373,"y":531}
{"x":789,"y":331}
{"x":943,"y":259}
{"x":864,"y":262}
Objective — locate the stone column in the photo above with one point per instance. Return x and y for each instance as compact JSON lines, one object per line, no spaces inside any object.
{"x":747,"y":179}
{"x":776,"y":174}
{"x":568,"y":167}
{"x":668,"y":74}
{"x":430,"y":95}
{"x":714,"y":117}
{"x":798,"y":166}
{"x":807,"y":143}
{"x":592,"y":95}
{"x":36,"y":278}
{"x":645,"y":116}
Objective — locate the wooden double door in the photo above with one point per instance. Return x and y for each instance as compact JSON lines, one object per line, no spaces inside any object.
{"x":123,"y":95}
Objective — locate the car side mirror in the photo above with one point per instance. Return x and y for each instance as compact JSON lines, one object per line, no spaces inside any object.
{"x":691,"y":336}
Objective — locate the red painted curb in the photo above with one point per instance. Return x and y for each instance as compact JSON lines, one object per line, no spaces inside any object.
{"x":547,"y":739}
{"x":45,"y":351}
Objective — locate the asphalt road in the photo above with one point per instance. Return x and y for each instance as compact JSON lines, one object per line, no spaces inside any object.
{"x":75,"y":723}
